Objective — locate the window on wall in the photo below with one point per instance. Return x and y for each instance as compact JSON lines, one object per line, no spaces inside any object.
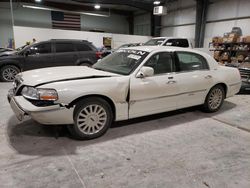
{"x":190,"y":61}
{"x":161,"y":63}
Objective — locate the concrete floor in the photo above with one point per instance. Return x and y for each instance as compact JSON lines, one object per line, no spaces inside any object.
{"x":185,"y":148}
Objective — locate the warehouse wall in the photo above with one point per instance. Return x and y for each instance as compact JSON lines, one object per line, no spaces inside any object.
{"x":180,"y":21}
{"x":113,"y":24}
{"x":142,"y":23}
{"x":6,"y":31}
{"x":42,"y":19}
{"x":23,"y":34}
{"x":226,"y":9}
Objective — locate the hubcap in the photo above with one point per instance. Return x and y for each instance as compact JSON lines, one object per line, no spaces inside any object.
{"x":215,"y":98}
{"x":9,"y":74}
{"x":91,"y":119}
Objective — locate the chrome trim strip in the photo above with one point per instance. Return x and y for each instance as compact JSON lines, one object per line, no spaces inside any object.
{"x":190,"y":92}
{"x":235,"y":84}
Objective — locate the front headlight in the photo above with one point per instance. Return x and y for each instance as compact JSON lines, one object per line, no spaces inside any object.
{"x":40,"y":94}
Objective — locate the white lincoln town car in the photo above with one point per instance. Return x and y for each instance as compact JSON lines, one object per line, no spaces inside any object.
{"x":129,"y":83}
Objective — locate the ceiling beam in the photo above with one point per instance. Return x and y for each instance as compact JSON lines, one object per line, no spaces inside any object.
{"x":78,"y":8}
{"x":147,"y":6}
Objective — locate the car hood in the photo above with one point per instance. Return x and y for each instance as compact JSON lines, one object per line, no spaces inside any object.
{"x":56,"y":74}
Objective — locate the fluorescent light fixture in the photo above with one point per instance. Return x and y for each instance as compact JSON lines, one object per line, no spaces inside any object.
{"x":55,"y":9}
{"x":38,"y":1}
{"x":97,"y":6}
{"x":157,"y":2}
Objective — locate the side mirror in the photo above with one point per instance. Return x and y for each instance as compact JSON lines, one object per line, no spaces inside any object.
{"x":145,"y":72}
{"x":26,"y":53}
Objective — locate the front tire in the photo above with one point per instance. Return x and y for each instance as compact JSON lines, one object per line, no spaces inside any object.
{"x":214,"y":99}
{"x":92,"y":118}
{"x":8,"y":73}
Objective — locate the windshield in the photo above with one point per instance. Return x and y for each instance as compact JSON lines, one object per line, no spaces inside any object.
{"x":123,"y":61}
{"x":154,"y":42}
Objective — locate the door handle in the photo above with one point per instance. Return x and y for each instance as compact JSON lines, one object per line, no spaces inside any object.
{"x":171,"y":82}
{"x":208,"y":77}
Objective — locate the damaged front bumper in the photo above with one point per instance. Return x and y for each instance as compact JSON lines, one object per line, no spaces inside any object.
{"x":53,"y":114}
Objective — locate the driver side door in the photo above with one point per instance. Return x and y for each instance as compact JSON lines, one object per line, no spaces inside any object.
{"x":39,"y":56}
{"x":157,"y":93}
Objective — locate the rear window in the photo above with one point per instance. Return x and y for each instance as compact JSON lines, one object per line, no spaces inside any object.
{"x":177,"y":42}
{"x":64,"y":47}
{"x":154,"y":42}
{"x":82,"y":47}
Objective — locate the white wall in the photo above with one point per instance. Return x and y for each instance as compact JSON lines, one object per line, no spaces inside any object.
{"x":24,"y":34}
{"x":220,"y":9}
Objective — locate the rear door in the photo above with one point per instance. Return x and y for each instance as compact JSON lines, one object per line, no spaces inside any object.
{"x":86,"y":53}
{"x":65,"y":54}
{"x":193,"y":77}
{"x":38,"y":56}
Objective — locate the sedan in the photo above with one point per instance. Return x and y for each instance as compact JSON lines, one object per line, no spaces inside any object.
{"x":129,"y":83}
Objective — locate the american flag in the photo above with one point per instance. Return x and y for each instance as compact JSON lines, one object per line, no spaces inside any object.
{"x":62,"y":20}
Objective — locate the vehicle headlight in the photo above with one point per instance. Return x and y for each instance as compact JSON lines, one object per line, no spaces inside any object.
{"x":40,"y":94}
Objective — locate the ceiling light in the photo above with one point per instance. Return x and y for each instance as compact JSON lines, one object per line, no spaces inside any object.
{"x":55,"y":9}
{"x":38,"y":1}
{"x":157,"y":2}
{"x":97,"y":6}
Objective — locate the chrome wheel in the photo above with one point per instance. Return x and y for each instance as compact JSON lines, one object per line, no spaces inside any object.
{"x":9,"y":73}
{"x":91,"y":119}
{"x":215,"y":98}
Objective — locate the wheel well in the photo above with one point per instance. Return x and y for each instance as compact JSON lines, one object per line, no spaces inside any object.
{"x":10,"y":64}
{"x":224,"y":86}
{"x":82,"y":62}
{"x":107,"y":99}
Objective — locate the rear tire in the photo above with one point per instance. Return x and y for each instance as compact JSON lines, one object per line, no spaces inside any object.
{"x":92,"y":118}
{"x":214,"y":99}
{"x":8,"y":73}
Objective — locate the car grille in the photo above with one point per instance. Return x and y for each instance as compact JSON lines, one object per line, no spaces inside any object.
{"x":245,"y":74}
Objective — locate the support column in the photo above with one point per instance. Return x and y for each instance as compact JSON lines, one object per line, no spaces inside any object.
{"x":201,"y":17}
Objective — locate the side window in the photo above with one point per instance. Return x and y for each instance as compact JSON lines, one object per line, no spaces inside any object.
{"x":64,"y":47}
{"x":161,"y":63}
{"x":177,"y":42}
{"x":44,"y":48}
{"x":191,"y":61}
{"x":82,"y":47}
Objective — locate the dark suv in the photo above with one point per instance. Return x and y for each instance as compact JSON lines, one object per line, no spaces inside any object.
{"x":55,"y":52}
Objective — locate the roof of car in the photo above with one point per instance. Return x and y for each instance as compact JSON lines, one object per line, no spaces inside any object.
{"x":169,"y":38}
{"x":156,"y":48}
{"x":166,"y":48}
{"x":67,"y":40}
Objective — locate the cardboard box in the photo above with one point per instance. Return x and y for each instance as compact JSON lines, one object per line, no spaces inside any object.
{"x":224,"y":56}
{"x":246,"y":39}
{"x":217,"y":55}
{"x":240,"y":57}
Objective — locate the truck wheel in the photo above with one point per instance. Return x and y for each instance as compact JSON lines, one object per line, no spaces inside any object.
{"x":92,"y":118}
{"x":214,"y":99}
{"x":8,"y":73}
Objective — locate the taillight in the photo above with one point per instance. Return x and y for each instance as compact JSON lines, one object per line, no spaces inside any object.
{"x":98,"y":55}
